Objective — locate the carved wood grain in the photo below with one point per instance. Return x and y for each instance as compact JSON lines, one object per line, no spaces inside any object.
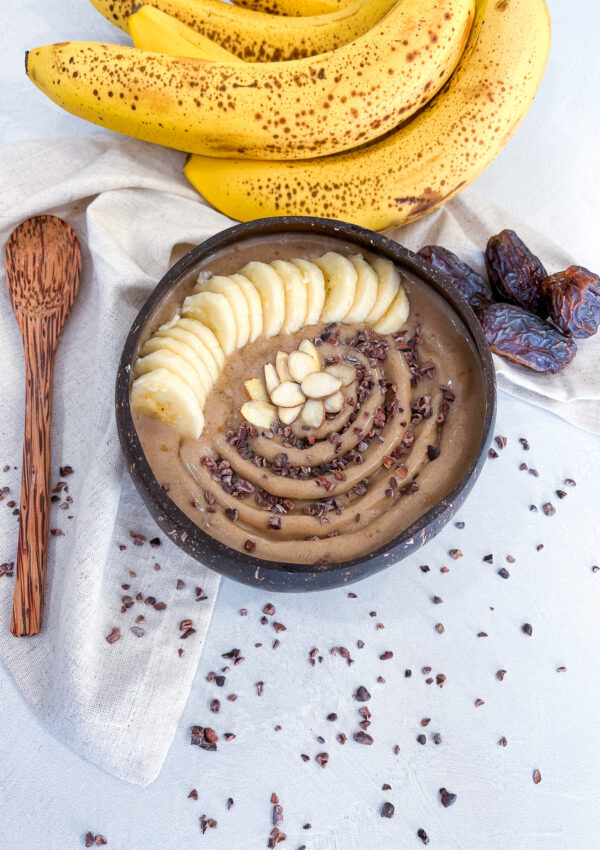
{"x":43,"y":268}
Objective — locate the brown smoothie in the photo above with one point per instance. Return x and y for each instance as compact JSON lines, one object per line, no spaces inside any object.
{"x":409,"y":429}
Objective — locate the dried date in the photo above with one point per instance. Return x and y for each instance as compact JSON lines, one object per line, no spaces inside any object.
{"x":524,"y":338}
{"x":471,"y":285}
{"x":514,"y":272}
{"x":572,"y":298}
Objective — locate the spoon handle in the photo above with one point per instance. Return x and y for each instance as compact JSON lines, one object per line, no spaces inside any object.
{"x":40,"y":336}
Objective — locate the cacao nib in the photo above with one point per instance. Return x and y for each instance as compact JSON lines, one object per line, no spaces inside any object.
{"x":572,"y":299}
{"x":525,"y":339}
{"x":514,"y":272}
{"x":470,"y":284}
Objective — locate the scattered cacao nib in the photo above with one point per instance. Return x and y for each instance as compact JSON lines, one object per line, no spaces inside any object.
{"x":114,"y":635}
{"x":460,"y":525}
{"x":503,"y":742}
{"x":503,"y":572}
{"x":332,"y":717}
{"x":437,"y":738}
{"x":362,"y":694}
{"x":425,"y":721}
{"x":421,"y":739}
{"x":385,"y":656}
{"x":423,"y":836}
{"x":527,"y":629}
{"x":439,"y":628}
{"x":455,"y":553}
{"x":533,"y":509}
{"x":501,"y":441}
{"x":396,"y":749}
{"x":525,"y":339}
{"x":250,"y":546}
{"x":362,"y":738}
{"x":561,"y":669}
{"x":433,"y":452}
{"x":215,"y":706}
{"x":548,"y":508}
{"x":479,"y":703}
{"x":322,"y":759}
{"x":561,"y":494}
{"x":501,"y":674}
{"x":137,"y":631}
{"x":514,"y":272}
{"x":424,"y":568}
{"x":89,"y":839}
{"x":470,"y":284}
{"x":260,"y":686}
{"x":537,"y":777}
{"x":447,"y":798}
{"x":534,"y":472}
{"x":205,"y":738}
{"x":304,"y":757}
{"x":569,"y":482}
{"x":482,"y":634}
{"x":341,"y":738}
{"x":229,"y":803}
{"x":100,"y":841}
{"x":387,"y":810}
{"x":193,"y":795}
{"x":492,"y":453}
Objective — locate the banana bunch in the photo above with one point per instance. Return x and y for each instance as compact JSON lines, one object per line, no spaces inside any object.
{"x":382,"y":110}
{"x":181,"y":361}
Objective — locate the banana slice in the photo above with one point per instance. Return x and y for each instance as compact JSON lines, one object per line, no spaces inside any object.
{"x":213,"y":310}
{"x":343,"y":371}
{"x":315,"y":290}
{"x":388,"y":284}
{"x":288,"y":394}
{"x":313,"y":413}
{"x":320,"y":385}
{"x":272,"y":295}
{"x":255,"y":316}
{"x":259,"y":413}
{"x":308,"y":347}
{"x":199,"y":348}
{"x":366,"y":290}
{"x":162,"y":394}
{"x":271,"y":377}
{"x":340,"y":285}
{"x":165,"y":359}
{"x":296,"y":295}
{"x":300,"y":365}
{"x":281,"y":365}
{"x":237,"y":301}
{"x":255,"y":390}
{"x":206,"y":336}
{"x":160,"y":343}
{"x":395,"y":316}
{"x":287,"y":415}
{"x":334,"y":403}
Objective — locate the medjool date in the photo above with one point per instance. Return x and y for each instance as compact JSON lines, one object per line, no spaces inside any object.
{"x":471,"y":285}
{"x":524,"y":338}
{"x":573,"y":300}
{"x":514,"y":272}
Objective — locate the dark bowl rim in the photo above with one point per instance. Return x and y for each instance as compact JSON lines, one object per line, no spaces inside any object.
{"x":184,"y":527}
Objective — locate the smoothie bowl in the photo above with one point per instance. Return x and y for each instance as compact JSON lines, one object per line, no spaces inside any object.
{"x":303,"y":402}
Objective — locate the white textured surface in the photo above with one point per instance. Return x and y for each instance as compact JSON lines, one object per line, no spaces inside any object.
{"x":48,"y":797}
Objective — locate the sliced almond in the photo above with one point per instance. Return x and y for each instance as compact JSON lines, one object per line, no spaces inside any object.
{"x":313,"y":413}
{"x":320,"y":385}
{"x":281,"y":365}
{"x":300,"y":365}
{"x":288,"y":394}
{"x":255,"y":390}
{"x":334,"y":403}
{"x":271,"y":378}
{"x":346,"y":373}
{"x":308,"y":347}
{"x":287,"y":415}
{"x":259,"y":413}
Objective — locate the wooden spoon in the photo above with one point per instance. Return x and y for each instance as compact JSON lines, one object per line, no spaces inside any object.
{"x":43,"y":267}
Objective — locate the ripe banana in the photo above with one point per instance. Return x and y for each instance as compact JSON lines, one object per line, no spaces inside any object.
{"x":295,"y":8}
{"x":257,"y":36}
{"x":423,"y":163}
{"x":151,"y":29}
{"x":284,"y":110}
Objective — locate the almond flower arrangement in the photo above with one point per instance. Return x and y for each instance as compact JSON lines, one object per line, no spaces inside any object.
{"x":296,"y":386}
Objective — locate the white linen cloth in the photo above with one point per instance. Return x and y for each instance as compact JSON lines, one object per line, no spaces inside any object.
{"x":119,"y":704}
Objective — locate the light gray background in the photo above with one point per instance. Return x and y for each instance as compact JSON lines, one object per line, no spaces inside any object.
{"x":549,"y":176}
